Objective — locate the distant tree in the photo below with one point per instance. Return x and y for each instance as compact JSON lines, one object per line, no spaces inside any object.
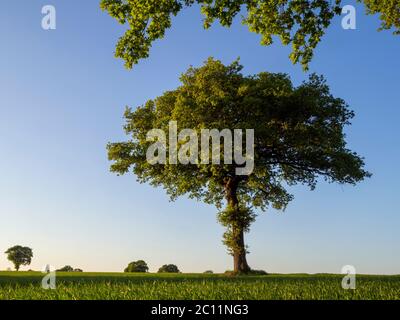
{"x":78,"y":270}
{"x":169,"y":268}
{"x":66,"y":269}
{"x":301,"y":23}
{"x":209,"y":272}
{"x":19,"y":256}
{"x":137,"y":266}
{"x":298,"y":138}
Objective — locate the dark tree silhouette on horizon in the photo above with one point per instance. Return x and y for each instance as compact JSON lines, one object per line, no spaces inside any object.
{"x":19,"y":256}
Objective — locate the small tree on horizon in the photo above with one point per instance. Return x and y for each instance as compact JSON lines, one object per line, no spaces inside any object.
{"x":168,"y":268}
{"x":298,"y":139}
{"x":137,"y":266}
{"x":66,"y":268}
{"x":19,"y":256}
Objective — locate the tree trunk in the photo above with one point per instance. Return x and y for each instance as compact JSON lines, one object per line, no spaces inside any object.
{"x":239,"y":249}
{"x":239,"y":256}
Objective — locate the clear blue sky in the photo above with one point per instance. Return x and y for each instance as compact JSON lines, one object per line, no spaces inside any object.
{"x":62,"y":96}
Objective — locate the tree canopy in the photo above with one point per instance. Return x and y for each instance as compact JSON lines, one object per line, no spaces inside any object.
{"x":168,"y":268}
{"x":137,"y":266}
{"x":66,"y":269}
{"x":298,"y":139}
{"x":19,"y":256}
{"x":301,"y":23}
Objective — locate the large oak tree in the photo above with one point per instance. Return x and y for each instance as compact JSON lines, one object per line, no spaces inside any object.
{"x":298,"y":139}
{"x":301,"y":23}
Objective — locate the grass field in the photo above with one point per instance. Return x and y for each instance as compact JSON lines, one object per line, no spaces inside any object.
{"x":71,"y":286}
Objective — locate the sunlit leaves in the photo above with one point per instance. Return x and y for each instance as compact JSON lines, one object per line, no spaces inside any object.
{"x":298,"y":135}
{"x":299,"y":23}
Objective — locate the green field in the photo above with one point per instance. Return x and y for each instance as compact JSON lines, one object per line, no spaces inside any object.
{"x":73,"y":286}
